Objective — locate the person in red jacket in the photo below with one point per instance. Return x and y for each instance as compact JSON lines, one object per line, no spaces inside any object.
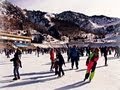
{"x":52,"y":58}
{"x":91,"y":64}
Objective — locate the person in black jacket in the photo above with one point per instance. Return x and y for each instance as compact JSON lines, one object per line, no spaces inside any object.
{"x":60,"y":63}
{"x":16,"y":64}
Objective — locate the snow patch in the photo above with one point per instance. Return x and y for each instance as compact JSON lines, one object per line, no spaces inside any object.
{"x":95,"y":26}
{"x":48,"y":16}
{"x":1,"y":1}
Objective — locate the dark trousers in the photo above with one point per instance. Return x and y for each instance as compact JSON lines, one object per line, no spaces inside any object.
{"x":56,"y":70}
{"x":68,"y":59}
{"x":105,"y":59}
{"x":52,"y":65}
{"x":60,"y":70}
{"x":38,"y":54}
{"x":16,"y":72}
{"x":8,"y":56}
{"x":74,"y":61}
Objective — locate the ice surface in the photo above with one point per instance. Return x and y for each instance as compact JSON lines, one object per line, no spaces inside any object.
{"x":35,"y":75}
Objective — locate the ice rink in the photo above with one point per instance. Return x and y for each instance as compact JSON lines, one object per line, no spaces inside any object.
{"x":36,"y":75}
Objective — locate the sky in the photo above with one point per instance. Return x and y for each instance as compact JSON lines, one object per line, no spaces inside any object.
{"x":88,"y":7}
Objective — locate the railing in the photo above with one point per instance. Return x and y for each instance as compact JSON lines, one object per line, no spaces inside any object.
{"x":15,"y":36}
{"x":13,"y":32}
{"x":4,"y":36}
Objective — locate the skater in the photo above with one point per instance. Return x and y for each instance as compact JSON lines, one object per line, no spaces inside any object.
{"x":16,"y":64}
{"x":60,"y":63}
{"x":87,"y":51}
{"x":52,"y":58}
{"x":74,"y":55}
{"x":8,"y":53}
{"x":38,"y":51}
{"x":105,"y":52}
{"x":68,"y":54}
{"x":91,"y":64}
{"x":19,"y":53}
{"x":117,"y":52}
{"x":56,"y":65}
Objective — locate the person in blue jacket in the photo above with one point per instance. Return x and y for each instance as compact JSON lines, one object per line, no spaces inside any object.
{"x":74,"y":55}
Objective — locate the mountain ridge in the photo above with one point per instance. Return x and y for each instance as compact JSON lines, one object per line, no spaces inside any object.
{"x":57,"y":25}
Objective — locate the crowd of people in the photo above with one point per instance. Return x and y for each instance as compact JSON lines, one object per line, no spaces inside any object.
{"x":57,"y":59}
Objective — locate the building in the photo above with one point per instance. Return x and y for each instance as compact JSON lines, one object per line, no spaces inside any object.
{"x":15,"y":40}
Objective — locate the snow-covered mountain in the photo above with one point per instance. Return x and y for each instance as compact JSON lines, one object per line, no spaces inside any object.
{"x":68,"y":23}
{"x":93,"y":24}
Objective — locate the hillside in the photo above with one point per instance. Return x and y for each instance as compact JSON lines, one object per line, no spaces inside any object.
{"x":70,"y":24}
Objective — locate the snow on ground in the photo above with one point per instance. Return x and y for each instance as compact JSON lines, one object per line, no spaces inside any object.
{"x":35,"y":75}
{"x":95,"y":26}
